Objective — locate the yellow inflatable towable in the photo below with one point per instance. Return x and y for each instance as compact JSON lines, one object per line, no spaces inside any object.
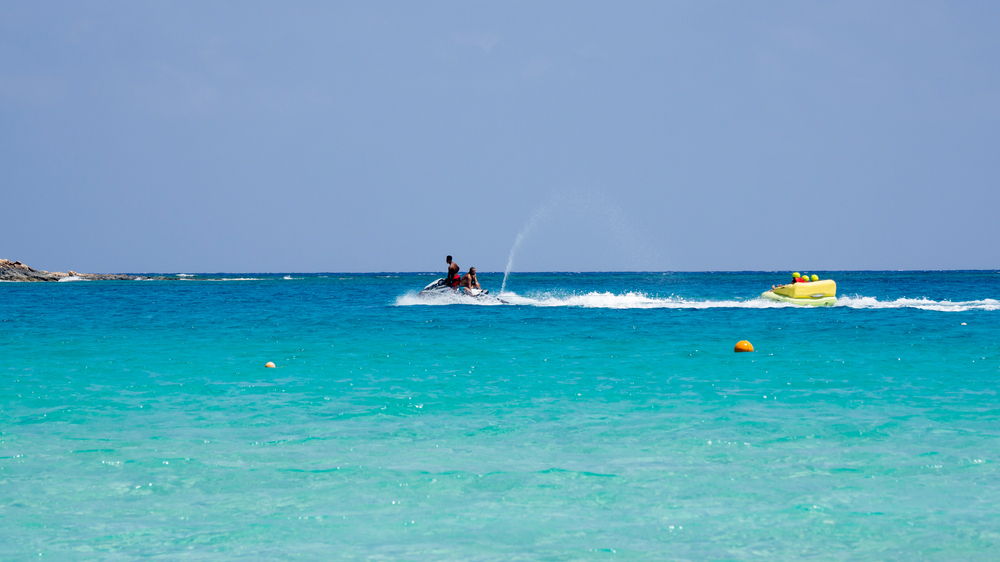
{"x":815,"y":293}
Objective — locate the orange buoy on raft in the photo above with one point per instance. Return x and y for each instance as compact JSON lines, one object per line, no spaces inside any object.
{"x":743,"y":345}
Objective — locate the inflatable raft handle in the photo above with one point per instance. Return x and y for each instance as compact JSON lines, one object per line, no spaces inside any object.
{"x":816,"y":296}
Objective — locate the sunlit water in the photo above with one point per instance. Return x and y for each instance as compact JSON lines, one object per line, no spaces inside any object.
{"x":597,"y":416}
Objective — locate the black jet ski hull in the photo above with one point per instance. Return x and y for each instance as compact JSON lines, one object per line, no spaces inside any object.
{"x":439,"y":287}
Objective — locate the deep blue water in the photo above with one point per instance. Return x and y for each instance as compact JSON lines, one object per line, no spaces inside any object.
{"x":600,"y":416}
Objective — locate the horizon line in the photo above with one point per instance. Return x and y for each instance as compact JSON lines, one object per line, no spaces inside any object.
{"x":573,"y":272}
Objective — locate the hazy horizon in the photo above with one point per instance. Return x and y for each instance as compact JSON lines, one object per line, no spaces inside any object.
{"x":534,"y":272}
{"x":376,"y":137}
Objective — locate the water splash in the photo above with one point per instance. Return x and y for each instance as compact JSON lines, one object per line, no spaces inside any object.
{"x":529,"y":226}
{"x":590,"y":207}
{"x":640,"y":300}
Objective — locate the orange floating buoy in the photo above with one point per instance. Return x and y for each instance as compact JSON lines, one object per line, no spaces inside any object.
{"x":743,"y":345}
{"x":269,"y":364}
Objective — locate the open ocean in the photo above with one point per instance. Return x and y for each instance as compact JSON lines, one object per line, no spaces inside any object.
{"x":600,"y":416}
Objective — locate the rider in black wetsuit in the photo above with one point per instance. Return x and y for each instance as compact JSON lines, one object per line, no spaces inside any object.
{"x":452,"y":278}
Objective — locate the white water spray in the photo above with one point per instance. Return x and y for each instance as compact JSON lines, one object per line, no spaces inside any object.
{"x":595,"y":207}
{"x":640,"y":300}
{"x":525,"y":231}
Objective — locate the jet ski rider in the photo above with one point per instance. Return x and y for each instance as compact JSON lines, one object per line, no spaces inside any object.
{"x":469,"y":280}
{"x":452,"y":279}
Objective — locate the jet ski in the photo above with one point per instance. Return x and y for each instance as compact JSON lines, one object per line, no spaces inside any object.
{"x":439,"y":288}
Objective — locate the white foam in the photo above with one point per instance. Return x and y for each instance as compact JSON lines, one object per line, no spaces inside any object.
{"x":634,"y":300}
{"x":439,"y":299}
{"x":185,"y":275}
{"x":858,"y":301}
{"x":69,"y":278}
{"x":638,"y":300}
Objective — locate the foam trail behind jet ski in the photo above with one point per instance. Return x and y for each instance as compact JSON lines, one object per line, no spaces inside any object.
{"x":632,"y":300}
{"x":638,"y":300}
{"x":438,"y":299}
{"x":920,"y":303}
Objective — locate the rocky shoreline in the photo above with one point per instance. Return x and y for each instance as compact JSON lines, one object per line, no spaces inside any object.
{"x":17,"y":271}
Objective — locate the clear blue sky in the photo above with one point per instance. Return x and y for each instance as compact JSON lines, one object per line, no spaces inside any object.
{"x":380,"y":136}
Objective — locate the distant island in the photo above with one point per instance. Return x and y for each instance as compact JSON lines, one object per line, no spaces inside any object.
{"x":17,"y":271}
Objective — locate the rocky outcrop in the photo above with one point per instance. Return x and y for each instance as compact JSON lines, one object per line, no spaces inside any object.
{"x":17,"y":271}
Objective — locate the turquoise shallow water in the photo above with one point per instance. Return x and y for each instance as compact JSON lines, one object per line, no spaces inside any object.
{"x":600,"y":416}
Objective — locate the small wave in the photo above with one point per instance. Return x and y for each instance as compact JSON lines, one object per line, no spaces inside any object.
{"x":233,"y":279}
{"x":185,"y":275}
{"x":70,"y":278}
{"x":289,"y":278}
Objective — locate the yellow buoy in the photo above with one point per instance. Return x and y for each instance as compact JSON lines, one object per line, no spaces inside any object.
{"x":743,"y":345}
{"x":269,"y":364}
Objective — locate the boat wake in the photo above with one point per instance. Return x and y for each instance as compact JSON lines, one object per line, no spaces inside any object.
{"x":638,"y":300}
{"x":443,"y":298}
{"x":215,"y":279}
{"x":632,"y":300}
{"x":921,"y":303}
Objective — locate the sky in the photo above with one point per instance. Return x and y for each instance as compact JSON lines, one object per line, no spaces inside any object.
{"x":381,"y":136}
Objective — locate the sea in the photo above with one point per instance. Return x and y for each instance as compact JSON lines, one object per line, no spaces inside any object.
{"x":590,"y":416}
